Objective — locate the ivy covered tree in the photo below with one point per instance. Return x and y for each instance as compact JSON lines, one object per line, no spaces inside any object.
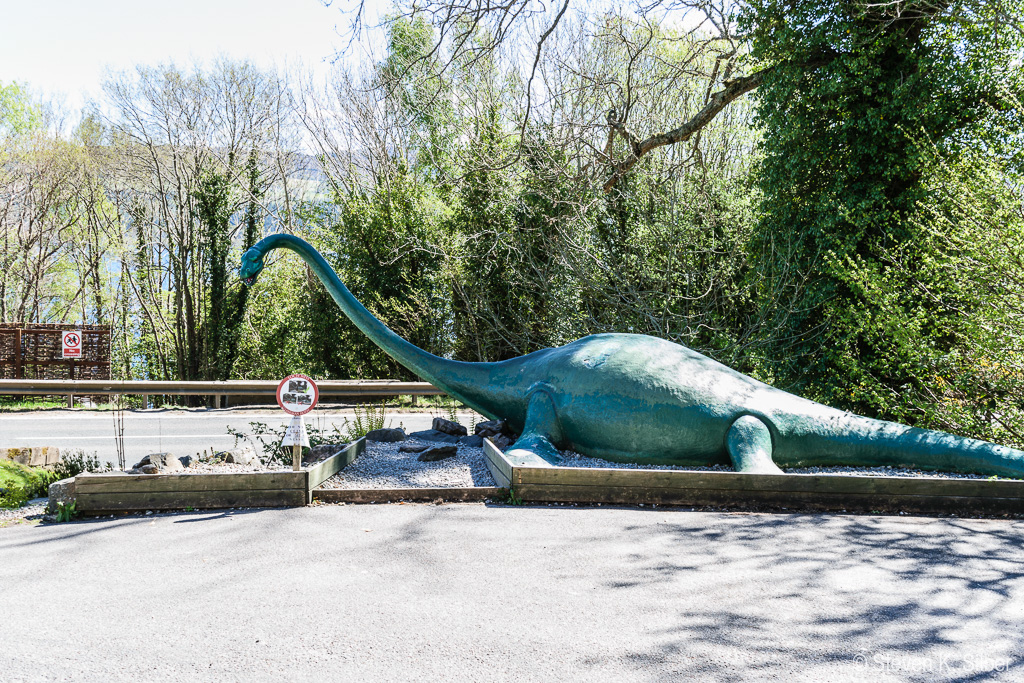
{"x":842,"y":174}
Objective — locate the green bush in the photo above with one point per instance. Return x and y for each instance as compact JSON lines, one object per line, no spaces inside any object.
{"x":74,"y":462}
{"x":19,"y":483}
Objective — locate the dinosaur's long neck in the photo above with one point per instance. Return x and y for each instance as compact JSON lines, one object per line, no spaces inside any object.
{"x":465,"y":381}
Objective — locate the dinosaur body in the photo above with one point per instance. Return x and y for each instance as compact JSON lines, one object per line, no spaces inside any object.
{"x":635,"y":398}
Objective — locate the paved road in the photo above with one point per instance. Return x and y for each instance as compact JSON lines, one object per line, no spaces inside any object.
{"x":178,"y":431}
{"x":479,"y":593}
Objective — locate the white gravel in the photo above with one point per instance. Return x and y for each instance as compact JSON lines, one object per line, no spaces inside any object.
{"x":571,"y":459}
{"x":382,"y":466}
{"x":32,"y":510}
{"x":231,"y":468}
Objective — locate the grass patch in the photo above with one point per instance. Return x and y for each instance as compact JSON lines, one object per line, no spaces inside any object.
{"x":20,"y":483}
{"x":30,"y":403}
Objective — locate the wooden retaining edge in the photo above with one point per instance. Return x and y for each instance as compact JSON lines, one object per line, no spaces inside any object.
{"x":98,"y":494}
{"x":470,"y":494}
{"x":323,"y":471}
{"x":497,"y":464}
{"x":102,"y":493}
{"x":737,"y":490}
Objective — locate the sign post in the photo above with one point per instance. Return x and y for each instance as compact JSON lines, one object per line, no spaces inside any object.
{"x":297,"y":395}
{"x":71,"y":344}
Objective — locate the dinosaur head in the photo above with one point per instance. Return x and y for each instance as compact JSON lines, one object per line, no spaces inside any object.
{"x":252,"y":264}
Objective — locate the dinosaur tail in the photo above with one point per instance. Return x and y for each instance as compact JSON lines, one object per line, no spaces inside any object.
{"x":465,"y":381}
{"x":861,"y":441}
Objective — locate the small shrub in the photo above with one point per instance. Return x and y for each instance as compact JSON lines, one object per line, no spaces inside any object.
{"x":267,"y":440}
{"x":367,"y":418}
{"x":74,"y":462}
{"x":67,"y":511}
{"x":20,"y":483}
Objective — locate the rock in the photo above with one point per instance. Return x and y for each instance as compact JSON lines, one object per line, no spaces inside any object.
{"x":144,"y":461}
{"x":164,"y":462}
{"x":149,"y":469}
{"x":489,"y":428}
{"x":62,"y":491}
{"x":476,"y":441}
{"x":185,"y":460}
{"x":386,"y":435}
{"x":412,"y":447}
{"x":438,"y":452}
{"x":322,"y":452}
{"x":448,"y":427}
{"x":239,"y":456}
{"x":501,"y":442}
{"x":434,"y":435}
{"x":37,"y":456}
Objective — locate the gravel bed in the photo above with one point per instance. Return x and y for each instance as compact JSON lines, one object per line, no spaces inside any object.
{"x":382,"y":466}
{"x":571,"y":459}
{"x":33,"y":509}
{"x":231,"y":468}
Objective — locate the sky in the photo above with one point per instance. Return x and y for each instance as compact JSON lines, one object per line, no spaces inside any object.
{"x":62,"y":47}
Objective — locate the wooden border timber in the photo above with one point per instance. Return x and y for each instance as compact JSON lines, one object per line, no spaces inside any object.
{"x":322,"y":471}
{"x":928,"y":495}
{"x":101,"y":493}
{"x":497,"y":464}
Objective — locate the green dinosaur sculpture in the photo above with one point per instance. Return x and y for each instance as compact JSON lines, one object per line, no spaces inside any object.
{"x":634,"y":398}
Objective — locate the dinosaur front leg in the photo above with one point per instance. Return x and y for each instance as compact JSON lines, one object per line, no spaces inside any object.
{"x":750,"y":446}
{"x":536,"y":446}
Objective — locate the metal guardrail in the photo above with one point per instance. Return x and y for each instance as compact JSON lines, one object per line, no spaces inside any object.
{"x":220,"y":390}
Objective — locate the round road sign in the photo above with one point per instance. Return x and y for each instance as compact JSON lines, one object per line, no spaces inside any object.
{"x":297,"y":394}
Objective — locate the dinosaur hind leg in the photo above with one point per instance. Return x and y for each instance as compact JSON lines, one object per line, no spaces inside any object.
{"x":536,"y":446}
{"x":750,"y":446}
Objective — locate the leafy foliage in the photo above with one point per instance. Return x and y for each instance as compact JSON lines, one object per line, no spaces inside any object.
{"x":858,"y":314}
{"x":75,"y":461}
{"x":20,"y":483}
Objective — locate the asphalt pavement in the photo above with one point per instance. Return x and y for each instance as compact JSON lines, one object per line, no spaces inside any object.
{"x":478,"y":592}
{"x":182,"y":432}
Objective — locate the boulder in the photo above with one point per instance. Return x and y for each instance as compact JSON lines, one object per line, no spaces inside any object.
{"x":448,"y":427}
{"x":322,"y":452}
{"x":438,"y":452}
{"x":412,"y":447}
{"x":144,"y":461}
{"x":434,"y":435}
{"x":36,"y":456}
{"x":62,"y":491}
{"x":489,"y":428}
{"x":186,"y":460}
{"x":474,"y":440}
{"x":146,"y":469}
{"x":386,"y":435}
{"x":164,"y":462}
{"x":501,"y":442}
{"x":238,"y":456}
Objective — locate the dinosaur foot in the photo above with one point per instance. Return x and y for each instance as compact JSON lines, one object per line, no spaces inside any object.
{"x":533,"y":450}
{"x":750,"y":446}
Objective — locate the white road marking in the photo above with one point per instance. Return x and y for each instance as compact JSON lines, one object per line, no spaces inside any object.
{"x":126,"y":436}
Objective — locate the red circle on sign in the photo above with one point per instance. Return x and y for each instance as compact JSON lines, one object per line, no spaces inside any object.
{"x":283,"y":387}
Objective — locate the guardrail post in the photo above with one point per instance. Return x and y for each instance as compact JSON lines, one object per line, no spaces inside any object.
{"x":71,"y":400}
{"x":145,"y":401}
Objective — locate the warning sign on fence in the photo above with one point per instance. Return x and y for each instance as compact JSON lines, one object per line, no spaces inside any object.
{"x":71,"y":343}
